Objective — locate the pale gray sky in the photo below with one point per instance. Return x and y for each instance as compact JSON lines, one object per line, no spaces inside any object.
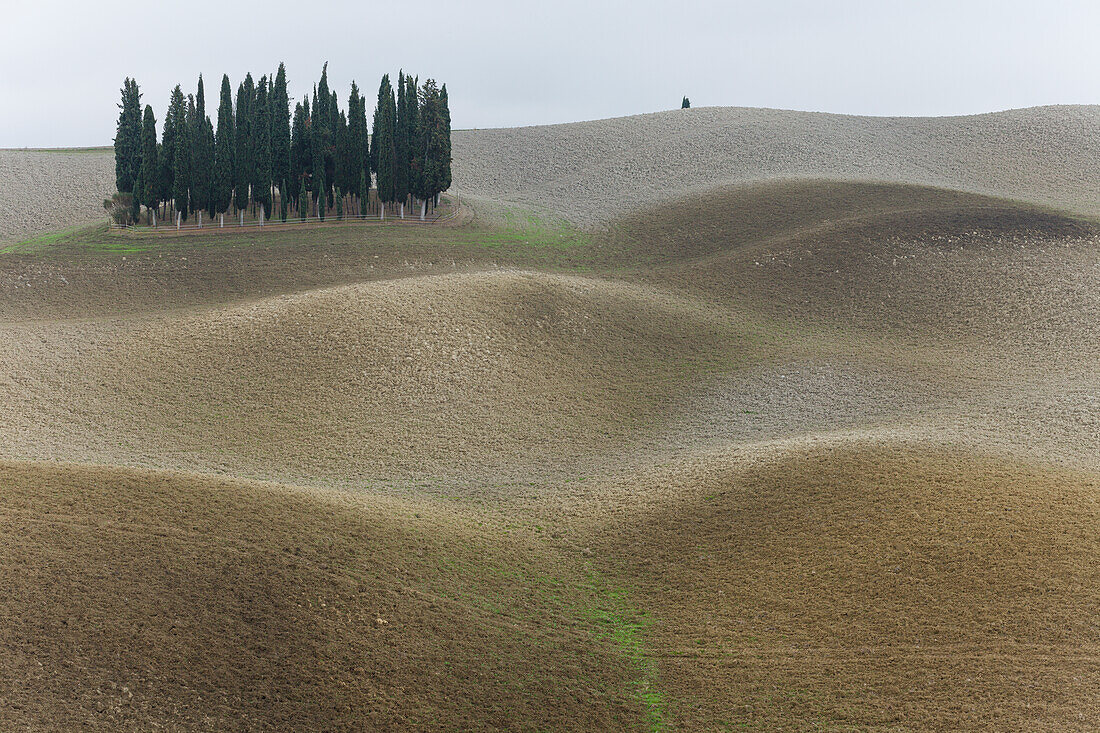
{"x":509,"y":63}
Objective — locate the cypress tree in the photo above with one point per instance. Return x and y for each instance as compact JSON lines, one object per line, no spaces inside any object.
{"x":202,"y":154}
{"x":181,"y":163}
{"x":208,"y":157}
{"x":169,"y":140}
{"x":128,"y":137}
{"x":147,"y":193}
{"x":401,"y":143}
{"x":223,"y":150}
{"x":357,"y":134}
{"x":445,"y":163}
{"x":280,"y":139}
{"x":333,"y":151}
{"x":300,"y":155}
{"x":343,"y":153}
{"x":324,"y":123}
{"x":384,"y":143}
{"x":384,"y":92}
{"x":416,"y":137}
{"x":317,"y":158}
{"x":242,"y":152}
{"x":261,"y":183}
{"x":435,"y":123}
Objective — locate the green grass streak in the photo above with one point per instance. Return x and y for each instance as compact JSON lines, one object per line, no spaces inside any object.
{"x":618,"y":621}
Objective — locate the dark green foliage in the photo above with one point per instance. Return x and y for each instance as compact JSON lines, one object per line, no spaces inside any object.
{"x":445,"y":160}
{"x":415,"y":136}
{"x":343,"y":154}
{"x":181,"y":177}
{"x":280,"y":138}
{"x":357,"y":142}
{"x":384,"y":92}
{"x":317,"y":158}
{"x":147,"y":192}
{"x":261,"y":182}
{"x":202,"y":155}
{"x":401,"y":143}
{"x":259,"y":147}
{"x":436,"y":125}
{"x":686,"y":104}
{"x":164,"y":173}
{"x":301,"y":156}
{"x":128,"y":137}
{"x":242,"y":154}
{"x":223,"y":150}
{"x":324,"y":122}
{"x":177,"y":111}
{"x":385,"y":132}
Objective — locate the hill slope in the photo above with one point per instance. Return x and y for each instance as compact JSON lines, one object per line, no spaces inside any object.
{"x":591,"y":172}
{"x":136,"y":601}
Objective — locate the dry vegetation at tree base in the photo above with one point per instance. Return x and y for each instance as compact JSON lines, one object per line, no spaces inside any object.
{"x":779,"y":455}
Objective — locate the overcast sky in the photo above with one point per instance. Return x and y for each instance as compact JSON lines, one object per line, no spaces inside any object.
{"x":509,"y":63}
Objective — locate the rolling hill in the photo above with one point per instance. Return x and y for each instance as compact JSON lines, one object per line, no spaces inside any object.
{"x":713,"y":419}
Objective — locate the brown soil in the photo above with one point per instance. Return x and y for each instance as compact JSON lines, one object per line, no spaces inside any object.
{"x":804,"y":454}
{"x":870,"y":586}
{"x":139,"y":601}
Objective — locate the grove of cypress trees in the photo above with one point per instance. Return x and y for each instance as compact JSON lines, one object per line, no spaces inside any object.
{"x":280,"y":139}
{"x":147,"y":193}
{"x":242,"y":152}
{"x":259,"y":147}
{"x":223,"y":150}
{"x":128,"y":137}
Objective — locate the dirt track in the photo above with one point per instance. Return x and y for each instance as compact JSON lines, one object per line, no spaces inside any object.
{"x":814,"y":453}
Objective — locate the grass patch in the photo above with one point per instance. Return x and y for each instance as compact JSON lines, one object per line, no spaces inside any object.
{"x":64,"y":238}
{"x":615,"y":619}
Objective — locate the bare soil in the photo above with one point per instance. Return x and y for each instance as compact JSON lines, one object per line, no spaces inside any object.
{"x":796,"y":455}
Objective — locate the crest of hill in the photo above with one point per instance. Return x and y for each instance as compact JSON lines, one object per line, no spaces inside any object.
{"x":592,"y":172}
{"x":447,"y":373}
